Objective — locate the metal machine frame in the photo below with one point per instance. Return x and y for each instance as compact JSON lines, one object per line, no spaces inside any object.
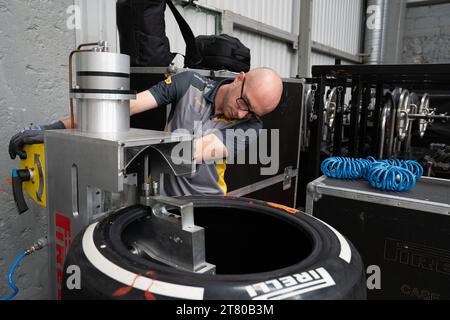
{"x":103,"y":166}
{"x":87,"y":179}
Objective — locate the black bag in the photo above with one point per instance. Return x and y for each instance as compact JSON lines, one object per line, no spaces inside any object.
{"x":222,"y":52}
{"x":212,"y":52}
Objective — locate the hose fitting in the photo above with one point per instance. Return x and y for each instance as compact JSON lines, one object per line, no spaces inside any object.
{"x":38,"y":245}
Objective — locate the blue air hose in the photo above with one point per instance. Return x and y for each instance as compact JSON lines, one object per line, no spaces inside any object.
{"x":410,"y":165}
{"x":385,"y":177}
{"x":10,"y":277}
{"x":345,"y":168}
{"x":38,"y":245}
{"x":388,"y":175}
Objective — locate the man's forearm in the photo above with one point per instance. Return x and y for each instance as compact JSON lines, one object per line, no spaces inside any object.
{"x":144,"y":101}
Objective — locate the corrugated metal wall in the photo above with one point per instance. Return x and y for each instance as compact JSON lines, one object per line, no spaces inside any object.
{"x":268,"y":53}
{"x":321,"y":59}
{"x":335,"y":23}
{"x":265,"y":52}
{"x":277,"y":13}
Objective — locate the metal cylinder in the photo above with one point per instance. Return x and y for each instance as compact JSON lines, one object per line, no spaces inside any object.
{"x":376,"y":33}
{"x":102,"y":92}
{"x":384,"y":31}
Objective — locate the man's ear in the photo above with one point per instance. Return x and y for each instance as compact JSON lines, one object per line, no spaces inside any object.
{"x":240,"y":77}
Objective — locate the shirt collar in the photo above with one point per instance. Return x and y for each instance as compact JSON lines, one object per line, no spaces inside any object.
{"x":210,"y":96}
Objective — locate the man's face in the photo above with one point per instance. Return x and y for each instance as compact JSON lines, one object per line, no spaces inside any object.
{"x":237,"y":104}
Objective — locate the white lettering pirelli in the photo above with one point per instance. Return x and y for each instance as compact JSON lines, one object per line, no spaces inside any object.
{"x":314,"y":274}
{"x":291,"y":286}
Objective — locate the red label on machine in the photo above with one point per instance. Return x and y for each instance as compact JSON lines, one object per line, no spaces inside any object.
{"x":62,"y":244}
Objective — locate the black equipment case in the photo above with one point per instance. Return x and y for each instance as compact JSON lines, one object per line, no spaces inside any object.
{"x":243,"y":180}
{"x":407,"y":235}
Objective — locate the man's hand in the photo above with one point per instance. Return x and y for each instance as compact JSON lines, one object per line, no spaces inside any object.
{"x":210,"y":148}
{"x":30,"y":135}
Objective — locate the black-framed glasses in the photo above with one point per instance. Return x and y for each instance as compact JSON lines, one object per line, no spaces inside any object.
{"x":243,"y":104}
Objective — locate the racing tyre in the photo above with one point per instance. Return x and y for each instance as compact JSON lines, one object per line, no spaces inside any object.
{"x":262,"y":251}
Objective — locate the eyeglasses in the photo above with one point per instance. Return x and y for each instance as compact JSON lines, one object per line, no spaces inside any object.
{"x":243,"y":104}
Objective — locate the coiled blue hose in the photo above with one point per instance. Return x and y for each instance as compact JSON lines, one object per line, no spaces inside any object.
{"x":410,"y":165}
{"x":345,"y":168}
{"x":10,"y":277}
{"x":388,"y":175}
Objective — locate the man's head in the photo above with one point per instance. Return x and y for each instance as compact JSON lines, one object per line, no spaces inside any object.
{"x":257,"y":92}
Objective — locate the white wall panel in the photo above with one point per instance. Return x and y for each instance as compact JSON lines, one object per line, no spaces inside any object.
{"x":98,"y":22}
{"x":318,"y":59}
{"x":277,"y":13}
{"x":337,"y":24}
{"x":267,"y":52}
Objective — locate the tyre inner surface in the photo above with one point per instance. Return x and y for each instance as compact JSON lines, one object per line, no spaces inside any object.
{"x":240,"y":241}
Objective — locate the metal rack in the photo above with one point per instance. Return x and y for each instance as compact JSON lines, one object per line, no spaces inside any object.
{"x":367,"y":82}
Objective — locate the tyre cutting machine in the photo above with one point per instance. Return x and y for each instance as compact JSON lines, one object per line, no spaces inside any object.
{"x":88,"y":172}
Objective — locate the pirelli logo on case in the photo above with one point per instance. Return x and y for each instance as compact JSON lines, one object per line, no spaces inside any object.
{"x":291,"y":286}
{"x":417,"y":256}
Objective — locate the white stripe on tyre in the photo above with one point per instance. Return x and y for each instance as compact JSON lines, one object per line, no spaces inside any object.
{"x":346,"y":252}
{"x":127,"y":278}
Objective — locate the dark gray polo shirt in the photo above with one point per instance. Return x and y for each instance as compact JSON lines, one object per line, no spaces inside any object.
{"x":192,"y":97}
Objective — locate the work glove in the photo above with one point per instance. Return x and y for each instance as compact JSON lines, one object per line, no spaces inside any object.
{"x":30,"y":135}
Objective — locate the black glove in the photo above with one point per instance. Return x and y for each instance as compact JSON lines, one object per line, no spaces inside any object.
{"x":30,"y":135}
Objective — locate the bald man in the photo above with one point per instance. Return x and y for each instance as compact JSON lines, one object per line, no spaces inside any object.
{"x":213,"y":111}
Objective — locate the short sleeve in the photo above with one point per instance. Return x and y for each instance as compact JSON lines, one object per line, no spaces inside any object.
{"x":172,"y":89}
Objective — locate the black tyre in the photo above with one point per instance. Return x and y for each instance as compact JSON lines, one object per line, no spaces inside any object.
{"x":261,"y":251}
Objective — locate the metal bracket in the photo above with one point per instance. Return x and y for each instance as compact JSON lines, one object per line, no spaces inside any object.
{"x":287,"y":180}
{"x":186,"y":209}
{"x":174,"y":239}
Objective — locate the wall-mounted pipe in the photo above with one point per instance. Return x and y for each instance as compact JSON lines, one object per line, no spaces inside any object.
{"x":377,"y":11}
{"x":384,"y":28}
